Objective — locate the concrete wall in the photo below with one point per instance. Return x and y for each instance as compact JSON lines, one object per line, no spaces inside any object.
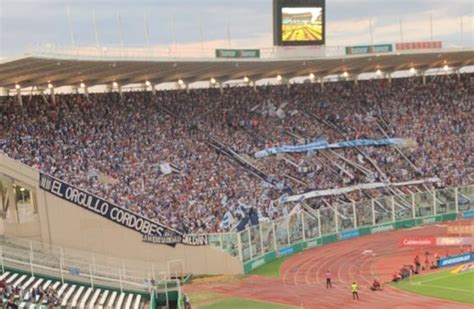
{"x":64,"y":224}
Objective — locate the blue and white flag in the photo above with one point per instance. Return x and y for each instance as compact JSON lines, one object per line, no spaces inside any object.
{"x":321,"y":144}
{"x":227,"y":220}
{"x":283,"y":198}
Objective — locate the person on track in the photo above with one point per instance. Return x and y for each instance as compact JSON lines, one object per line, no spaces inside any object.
{"x":376,"y":286}
{"x":355,"y":290}
{"x":417,"y":263}
{"x":328,"y":280}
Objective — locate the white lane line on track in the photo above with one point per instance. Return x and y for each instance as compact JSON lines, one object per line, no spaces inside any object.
{"x":315,"y":259}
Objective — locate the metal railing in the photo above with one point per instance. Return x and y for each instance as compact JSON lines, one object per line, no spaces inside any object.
{"x":341,"y":219}
{"x":39,"y":259}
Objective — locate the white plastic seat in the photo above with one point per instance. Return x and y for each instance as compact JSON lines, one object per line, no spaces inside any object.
{"x":128,"y":304}
{"x":85,"y":298}
{"x":68,"y":295}
{"x":28,"y":283}
{"x":120,"y":301}
{"x":56,"y":285}
{"x":47,"y":284}
{"x":111,"y":301}
{"x":62,"y":289}
{"x":11,"y":278}
{"x":37,"y":283}
{"x":4,"y":275}
{"x":136,"y":305}
{"x":76,"y":296}
{"x":19,"y":280}
{"x":94,"y":299}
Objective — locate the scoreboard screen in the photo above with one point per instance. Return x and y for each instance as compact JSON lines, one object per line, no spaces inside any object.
{"x":298,"y":22}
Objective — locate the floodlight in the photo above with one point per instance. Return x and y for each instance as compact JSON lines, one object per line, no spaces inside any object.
{"x":246,"y":79}
{"x":180,"y":81}
{"x":311,"y":76}
{"x":50,"y":86}
{"x":17,"y":86}
{"x":213,"y":80}
{"x":446,"y":67}
{"x":147,"y":83}
{"x":279,"y":78}
{"x":345,"y":74}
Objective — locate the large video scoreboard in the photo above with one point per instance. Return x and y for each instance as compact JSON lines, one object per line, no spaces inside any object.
{"x":299,"y":22}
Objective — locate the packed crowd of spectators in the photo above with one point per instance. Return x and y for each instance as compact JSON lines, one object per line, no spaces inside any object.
{"x":154,"y":154}
{"x":11,"y":296}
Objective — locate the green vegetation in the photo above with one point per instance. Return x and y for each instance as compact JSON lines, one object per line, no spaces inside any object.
{"x":218,"y":301}
{"x":271,"y":269}
{"x":456,"y":287}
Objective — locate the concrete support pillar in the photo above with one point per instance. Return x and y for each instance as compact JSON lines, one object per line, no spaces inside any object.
{"x":356,"y":79}
{"x":119,"y":90}
{"x":254,"y":85}
{"x":322,"y":84}
{"x":86,"y":92}
{"x":389,"y":75}
{"x":153,"y":89}
{"x":12,"y":212}
{"x":221,"y":88}
{"x":18,"y":94}
{"x":458,"y":74}
{"x":423,"y":77}
{"x":53,"y":96}
{"x":186,"y":86}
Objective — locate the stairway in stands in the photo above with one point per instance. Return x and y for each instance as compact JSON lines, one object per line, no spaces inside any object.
{"x":70,"y":295}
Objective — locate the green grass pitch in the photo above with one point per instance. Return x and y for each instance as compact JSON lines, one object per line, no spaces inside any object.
{"x":456,"y":287}
{"x":219,"y":301}
{"x":271,"y":269}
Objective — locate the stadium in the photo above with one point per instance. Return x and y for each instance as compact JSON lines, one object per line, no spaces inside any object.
{"x":297,"y":175}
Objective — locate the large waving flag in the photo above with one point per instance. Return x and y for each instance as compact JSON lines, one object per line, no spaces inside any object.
{"x":321,"y":144}
{"x":227,"y":220}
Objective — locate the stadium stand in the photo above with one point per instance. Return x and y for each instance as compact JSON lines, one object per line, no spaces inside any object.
{"x":37,"y":276}
{"x":34,"y":292}
{"x":187,"y":159}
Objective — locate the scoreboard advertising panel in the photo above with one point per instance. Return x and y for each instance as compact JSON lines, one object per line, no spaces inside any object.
{"x":299,"y":22}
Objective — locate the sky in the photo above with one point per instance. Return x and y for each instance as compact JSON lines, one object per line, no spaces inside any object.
{"x":190,"y":24}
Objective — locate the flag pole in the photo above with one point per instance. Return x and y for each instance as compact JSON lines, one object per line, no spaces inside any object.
{"x":95,"y":29}
{"x":401,"y":30}
{"x":371,"y":32}
{"x":71,"y":33}
{"x":147,"y":32}
{"x":120,"y":30}
{"x":431,"y":26}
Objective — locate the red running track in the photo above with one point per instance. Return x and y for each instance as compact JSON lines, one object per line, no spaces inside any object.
{"x":302,"y":277}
